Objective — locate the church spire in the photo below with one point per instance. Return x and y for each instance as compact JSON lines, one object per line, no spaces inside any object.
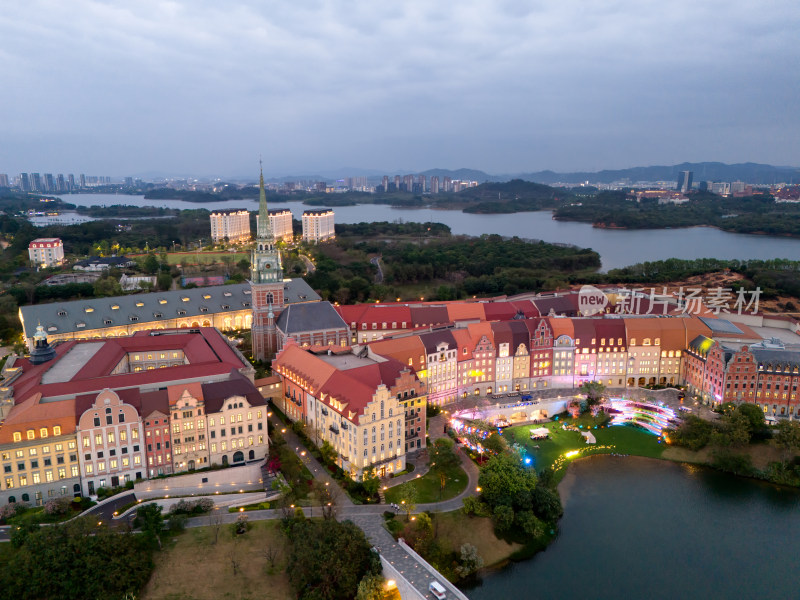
{"x":264,"y":226}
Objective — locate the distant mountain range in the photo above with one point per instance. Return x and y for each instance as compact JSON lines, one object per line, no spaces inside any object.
{"x":704,"y":171}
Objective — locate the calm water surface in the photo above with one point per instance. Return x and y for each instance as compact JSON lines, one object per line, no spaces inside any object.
{"x":617,"y":248}
{"x":642,"y":528}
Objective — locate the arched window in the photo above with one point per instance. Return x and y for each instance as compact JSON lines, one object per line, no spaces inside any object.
{"x":270,"y":298}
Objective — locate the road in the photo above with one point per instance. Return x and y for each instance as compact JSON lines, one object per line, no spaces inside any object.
{"x":310,"y":266}
{"x":376,"y":260}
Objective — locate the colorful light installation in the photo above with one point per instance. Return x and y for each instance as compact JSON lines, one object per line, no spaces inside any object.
{"x":650,"y":417}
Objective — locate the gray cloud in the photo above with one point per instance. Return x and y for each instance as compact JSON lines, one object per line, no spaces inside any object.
{"x":205,"y":87}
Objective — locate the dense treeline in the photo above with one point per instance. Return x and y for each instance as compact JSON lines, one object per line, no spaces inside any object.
{"x":754,"y":214}
{"x":76,"y":560}
{"x":396,"y":228}
{"x":442,"y":267}
{"x":510,"y":197}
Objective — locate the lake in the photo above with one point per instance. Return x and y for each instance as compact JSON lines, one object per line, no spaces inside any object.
{"x":617,"y":247}
{"x":643,"y":528}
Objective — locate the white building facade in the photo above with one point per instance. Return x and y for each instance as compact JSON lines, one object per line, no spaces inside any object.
{"x":318,"y":225}
{"x":46,"y":252}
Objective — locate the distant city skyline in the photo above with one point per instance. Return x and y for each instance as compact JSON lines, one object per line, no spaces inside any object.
{"x":203,"y":88}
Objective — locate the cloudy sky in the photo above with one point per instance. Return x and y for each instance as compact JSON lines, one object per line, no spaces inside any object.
{"x":205,"y":87}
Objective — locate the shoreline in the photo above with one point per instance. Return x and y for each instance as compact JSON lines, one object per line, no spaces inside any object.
{"x":569,"y":480}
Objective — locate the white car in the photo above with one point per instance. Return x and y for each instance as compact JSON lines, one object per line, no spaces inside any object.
{"x":437,"y":589}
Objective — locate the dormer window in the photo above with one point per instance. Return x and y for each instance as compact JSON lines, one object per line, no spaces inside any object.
{"x":247,"y":292}
{"x":226,"y":294}
{"x":185,"y":299}
{"x":88,"y":309}
{"x":246,"y":304}
{"x":80,"y":325}
{"x":203,"y":309}
{"x":140,"y":304}
{"x":115,"y":307}
{"x":207,"y":296}
{"x":225,"y":306}
{"x":62,"y":313}
{"x":106,"y":321}
{"x":134,"y":318}
{"x":181,"y":313}
{"x":162,"y":301}
{"x":157,"y":315}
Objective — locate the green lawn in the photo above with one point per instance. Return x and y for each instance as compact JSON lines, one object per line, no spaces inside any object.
{"x":206,"y":258}
{"x":617,"y":439}
{"x":429,"y":487}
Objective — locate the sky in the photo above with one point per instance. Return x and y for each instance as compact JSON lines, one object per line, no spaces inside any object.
{"x":205,"y":88}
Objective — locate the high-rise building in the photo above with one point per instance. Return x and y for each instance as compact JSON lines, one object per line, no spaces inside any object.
{"x":266,"y":283}
{"x":4,"y":180}
{"x":448,"y":184}
{"x":36,"y":183}
{"x":434,"y":184}
{"x":230,"y":225}
{"x":422,"y":182}
{"x":385,"y":183}
{"x":129,"y":182}
{"x":83,"y":180}
{"x":685,"y":181}
{"x":24,"y":182}
{"x":49,"y":183}
{"x":61,"y":184}
{"x":318,"y":225}
{"x":280,"y":219}
{"x":397,"y":182}
{"x":71,"y":181}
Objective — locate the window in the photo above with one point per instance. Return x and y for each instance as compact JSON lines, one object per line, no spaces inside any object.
{"x":89,"y":468}
{"x":98,"y":439}
{"x":123,"y":436}
{"x":30,"y":434}
{"x":17,"y":436}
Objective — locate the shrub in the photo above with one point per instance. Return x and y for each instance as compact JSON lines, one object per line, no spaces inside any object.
{"x":242,"y":524}
{"x":58,"y":506}
{"x":177,"y":522}
{"x":12,"y":509}
{"x":474,"y":507}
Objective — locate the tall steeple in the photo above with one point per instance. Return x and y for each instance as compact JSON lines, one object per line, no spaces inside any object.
{"x":265,"y":263}
{"x":264,"y":226}
{"x":266,"y":282}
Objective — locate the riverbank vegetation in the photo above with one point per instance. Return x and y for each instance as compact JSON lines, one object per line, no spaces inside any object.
{"x":758,"y":214}
{"x":741,"y":443}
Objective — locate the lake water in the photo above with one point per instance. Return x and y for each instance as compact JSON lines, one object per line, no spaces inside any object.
{"x":617,"y":248}
{"x":642,"y":528}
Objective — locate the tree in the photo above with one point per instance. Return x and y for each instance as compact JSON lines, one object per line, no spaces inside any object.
{"x":150,"y":521}
{"x":503,"y":518}
{"x":443,"y":460}
{"x":150,"y":264}
{"x":408,"y":498}
{"x":470,"y":562}
{"x":788,"y":437}
{"x":164,"y":281}
{"x":546,"y":504}
{"x":328,"y":453}
{"x":370,"y":481}
{"x":505,"y":482}
{"x":496,"y":443}
{"x":371,"y":587}
{"x":594,"y":391}
{"x":327,"y":559}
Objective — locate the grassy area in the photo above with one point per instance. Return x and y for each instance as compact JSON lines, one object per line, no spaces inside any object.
{"x":456,"y":528}
{"x":193,"y":567}
{"x":205,"y":258}
{"x":429,"y":487}
{"x":617,"y":439}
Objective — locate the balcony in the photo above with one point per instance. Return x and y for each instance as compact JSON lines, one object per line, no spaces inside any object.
{"x":324,"y":411}
{"x":334,"y":429}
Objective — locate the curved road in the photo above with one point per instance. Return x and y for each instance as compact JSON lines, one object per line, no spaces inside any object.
{"x":376,"y":260}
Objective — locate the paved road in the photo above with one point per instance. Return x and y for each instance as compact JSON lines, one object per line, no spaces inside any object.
{"x":377,"y":262}
{"x":310,"y":266}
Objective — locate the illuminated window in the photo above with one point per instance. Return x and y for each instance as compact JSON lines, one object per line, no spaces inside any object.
{"x":17,"y":436}
{"x":30,"y":434}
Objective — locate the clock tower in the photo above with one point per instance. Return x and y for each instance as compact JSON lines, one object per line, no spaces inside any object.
{"x":266,"y":283}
